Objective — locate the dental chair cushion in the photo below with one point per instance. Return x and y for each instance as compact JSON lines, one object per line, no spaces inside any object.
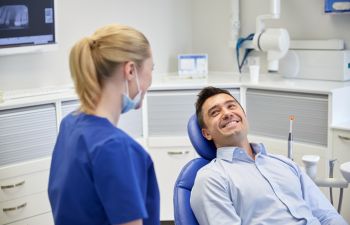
{"x":204,"y":148}
{"x":182,"y":192}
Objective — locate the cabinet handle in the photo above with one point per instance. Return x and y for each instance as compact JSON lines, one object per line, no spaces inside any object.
{"x":178,"y":153}
{"x":11,"y":209}
{"x":344,"y":138}
{"x":13,"y":185}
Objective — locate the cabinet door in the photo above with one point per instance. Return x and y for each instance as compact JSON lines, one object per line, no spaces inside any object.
{"x":268,"y":114}
{"x":168,"y":163}
{"x":27,"y":133}
{"x":23,"y":185}
{"x":169,"y":111}
{"x":341,"y":152}
{"x":26,"y":207}
{"x":44,"y":219}
{"x":130,"y":122}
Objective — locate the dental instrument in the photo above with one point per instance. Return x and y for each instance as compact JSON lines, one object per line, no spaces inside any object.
{"x":290,"y":137}
{"x":331,"y":171}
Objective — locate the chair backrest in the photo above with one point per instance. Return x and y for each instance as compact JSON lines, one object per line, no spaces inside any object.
{"x":183,"y":214}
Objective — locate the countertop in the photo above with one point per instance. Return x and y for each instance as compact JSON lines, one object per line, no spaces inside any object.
{"x":342,"y":126}
{"x":234,"y":80}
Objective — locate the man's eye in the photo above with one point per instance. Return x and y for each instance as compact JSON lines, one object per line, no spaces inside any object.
{"x":232,"y":106}
{"x":214,"y":113}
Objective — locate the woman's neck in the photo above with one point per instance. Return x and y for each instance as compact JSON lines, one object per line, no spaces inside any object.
{"x":109,"y":105}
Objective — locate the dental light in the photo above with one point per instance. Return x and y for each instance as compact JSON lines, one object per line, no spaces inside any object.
{"x":274,"y":41}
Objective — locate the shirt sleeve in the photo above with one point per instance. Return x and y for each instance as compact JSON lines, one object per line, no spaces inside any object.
{"x":210,"y":200}
{"x":116,"y":183}
{"x":320,"y":206}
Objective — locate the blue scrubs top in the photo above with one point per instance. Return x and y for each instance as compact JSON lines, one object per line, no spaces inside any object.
{"x":100,"y":175}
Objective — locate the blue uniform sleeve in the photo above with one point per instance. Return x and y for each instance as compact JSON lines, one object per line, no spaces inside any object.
{"x":320,"y":206}
{"x":116,"y":182}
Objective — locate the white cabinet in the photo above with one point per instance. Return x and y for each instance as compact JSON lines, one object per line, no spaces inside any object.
{"x":27,"y":136}
{"x":27,"y":133}
{"x":168,"y":163}
{"x":268,"y":112}
{"x":25,"y":207}
{"x":23,"y":192}
{"x":43,"y":219}
{"x":341,"y":152}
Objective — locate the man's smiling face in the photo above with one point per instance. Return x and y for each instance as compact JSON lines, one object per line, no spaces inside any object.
{"x":225,"y":121}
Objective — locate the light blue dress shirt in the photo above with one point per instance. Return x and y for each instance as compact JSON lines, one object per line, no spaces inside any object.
{"x":235,"y":189}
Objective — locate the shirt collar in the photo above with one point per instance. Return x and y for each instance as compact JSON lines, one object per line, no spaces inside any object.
{"x":231,"y":153}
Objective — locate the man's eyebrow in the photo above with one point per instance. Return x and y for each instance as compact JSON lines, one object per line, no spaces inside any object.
{"x":212,"y":108}
{"x":231,"y":101}
{"x":217,"y":105}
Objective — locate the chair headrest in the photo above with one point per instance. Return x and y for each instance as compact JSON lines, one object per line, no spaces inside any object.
{"x":204,"y":148}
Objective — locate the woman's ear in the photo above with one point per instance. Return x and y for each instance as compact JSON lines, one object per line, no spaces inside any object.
{"x":206,"y":134}
{"x":129,"y":70}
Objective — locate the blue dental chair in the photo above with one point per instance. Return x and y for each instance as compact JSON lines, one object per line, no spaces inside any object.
{"x":183,"y":214}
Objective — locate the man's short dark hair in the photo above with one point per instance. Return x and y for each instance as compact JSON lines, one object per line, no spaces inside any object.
{"x":203,"y":95}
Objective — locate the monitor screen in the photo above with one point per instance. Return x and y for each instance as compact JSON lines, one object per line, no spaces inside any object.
{"x":26,"y":23}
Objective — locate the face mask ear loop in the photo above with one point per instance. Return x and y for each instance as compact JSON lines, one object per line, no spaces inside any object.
{"x":127,"y":88}
{"x":137,"y":81}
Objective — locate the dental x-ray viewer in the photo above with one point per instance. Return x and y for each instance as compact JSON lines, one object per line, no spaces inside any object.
{"x":99,"y":174}
{"x":245,"y":184}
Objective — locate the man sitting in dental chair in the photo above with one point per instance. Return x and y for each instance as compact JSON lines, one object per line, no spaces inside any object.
{"x":245,"y":184}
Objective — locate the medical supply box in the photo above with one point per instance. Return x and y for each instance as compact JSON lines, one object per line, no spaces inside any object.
{"x":316,"y":64}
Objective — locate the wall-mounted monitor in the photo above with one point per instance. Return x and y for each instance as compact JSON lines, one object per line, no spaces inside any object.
{"x":27,"y":26}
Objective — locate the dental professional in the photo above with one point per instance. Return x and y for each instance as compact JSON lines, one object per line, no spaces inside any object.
{"x":99,"y":174}
{"x":245,"y":184}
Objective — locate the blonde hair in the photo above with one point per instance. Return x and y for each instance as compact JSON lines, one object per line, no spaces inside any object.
{"x":94,"y":58}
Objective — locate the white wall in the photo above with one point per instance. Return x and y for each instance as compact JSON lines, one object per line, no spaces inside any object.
{"x":173,"y":27}
{"x":166,"y":23}
{"x":211,"y":33}
{"x":304,"y":19}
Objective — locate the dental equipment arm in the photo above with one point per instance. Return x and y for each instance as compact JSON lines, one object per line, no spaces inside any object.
{"x":310,"y":164}
{"x":318,"y":203}
{"x":274,"y":41}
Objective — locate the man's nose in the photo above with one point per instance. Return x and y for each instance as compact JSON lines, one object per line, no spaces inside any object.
{"x":226,"y":114}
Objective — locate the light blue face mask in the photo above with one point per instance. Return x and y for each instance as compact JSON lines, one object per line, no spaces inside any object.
{"x":127,"y":102}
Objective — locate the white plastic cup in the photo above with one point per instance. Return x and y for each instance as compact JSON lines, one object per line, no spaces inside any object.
{"x":310,"y":164}
{"x":254,"y":73}
{"x":254,"y":67}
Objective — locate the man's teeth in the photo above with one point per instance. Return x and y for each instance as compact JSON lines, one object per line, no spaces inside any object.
{"x":231,"y":123}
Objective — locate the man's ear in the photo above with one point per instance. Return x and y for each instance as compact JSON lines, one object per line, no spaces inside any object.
{"x":206,"y":134}
{"x":129,"y":70}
